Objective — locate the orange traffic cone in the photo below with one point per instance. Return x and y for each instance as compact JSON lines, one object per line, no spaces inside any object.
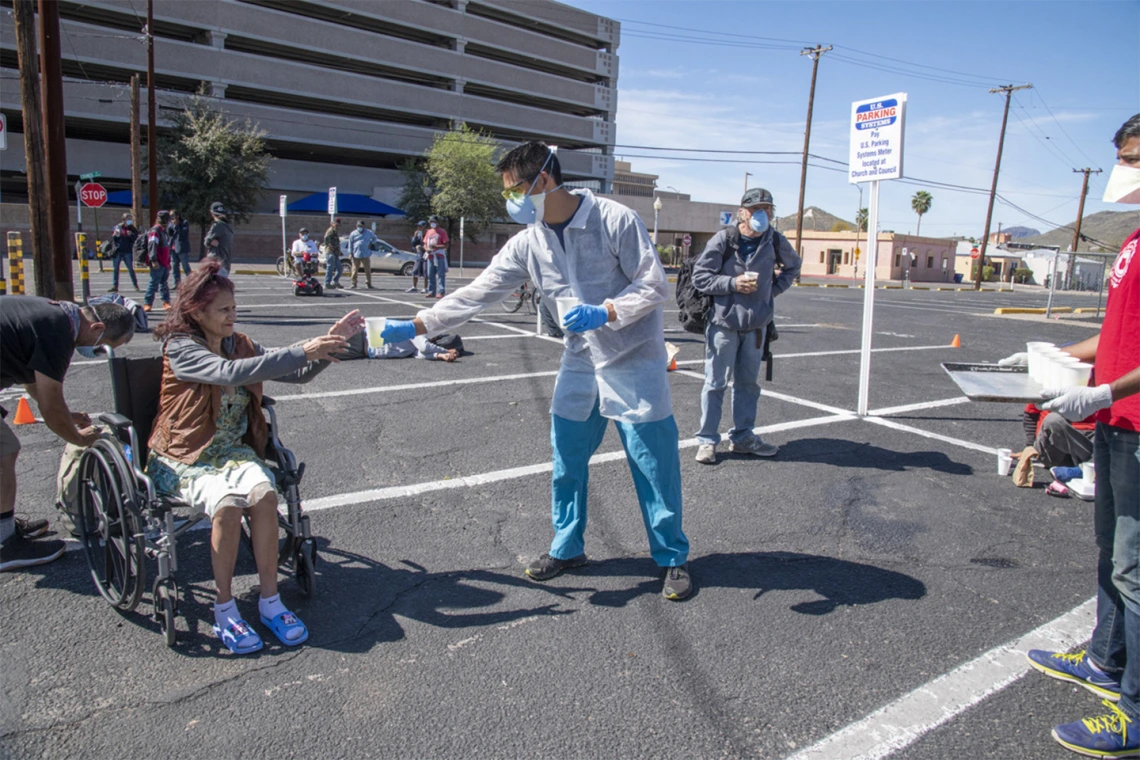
{"x":672,"y":365}
{"x":957,"y":342}
{"x":24,"y":414}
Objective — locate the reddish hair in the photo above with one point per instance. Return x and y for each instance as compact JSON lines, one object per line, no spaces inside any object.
{"x":197,"y":291}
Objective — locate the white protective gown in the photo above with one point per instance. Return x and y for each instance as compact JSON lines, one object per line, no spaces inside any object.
{"x":609,"y":258}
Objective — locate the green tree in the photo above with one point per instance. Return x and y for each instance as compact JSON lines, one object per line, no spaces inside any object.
{"x":861,"y":219}
{"x":206,"y":157}
{"x":921,"y":204}
{"x":415,"y":196}
{"x":461,"y":169}
{"x":841,"y":226}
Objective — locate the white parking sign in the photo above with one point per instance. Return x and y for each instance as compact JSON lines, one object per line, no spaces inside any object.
{"x":877,"y":138}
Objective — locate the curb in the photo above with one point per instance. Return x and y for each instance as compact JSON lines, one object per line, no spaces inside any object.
{"x":1018,"y":310}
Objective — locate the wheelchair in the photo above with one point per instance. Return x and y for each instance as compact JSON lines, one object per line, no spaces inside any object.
{"x":123,"y":523}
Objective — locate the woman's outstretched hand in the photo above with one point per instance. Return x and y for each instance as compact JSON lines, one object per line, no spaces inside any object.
{"x":348,"y":325}
{"x":324,"y":347}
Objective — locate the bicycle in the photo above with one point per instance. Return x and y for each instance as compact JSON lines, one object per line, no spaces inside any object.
{"x":525,"y":294}
{"x":285,"y":266}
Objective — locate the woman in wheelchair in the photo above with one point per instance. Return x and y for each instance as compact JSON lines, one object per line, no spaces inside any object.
{"x":209,"y":438}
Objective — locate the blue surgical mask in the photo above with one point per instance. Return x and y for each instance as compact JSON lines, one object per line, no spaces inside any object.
{"x":528,"y":208}
{"x":759,"y":220}
{"x":88,"y":352}
{"x":304,"y":237}
{"x":434,"y":225}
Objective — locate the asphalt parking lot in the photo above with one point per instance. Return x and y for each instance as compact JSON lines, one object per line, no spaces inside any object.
{"x":865,"y":593}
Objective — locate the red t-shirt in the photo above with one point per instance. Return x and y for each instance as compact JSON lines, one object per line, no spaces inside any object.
{"x":436,"y":237}
{"x":1118,"y":352}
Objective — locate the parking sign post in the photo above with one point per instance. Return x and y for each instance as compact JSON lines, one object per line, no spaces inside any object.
{"x":876,"y":154}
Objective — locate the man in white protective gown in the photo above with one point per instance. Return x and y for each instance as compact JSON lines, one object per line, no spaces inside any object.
{"x":594,"y":259}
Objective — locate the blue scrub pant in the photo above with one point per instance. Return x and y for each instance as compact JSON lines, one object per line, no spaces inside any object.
{"x":655,"y":463}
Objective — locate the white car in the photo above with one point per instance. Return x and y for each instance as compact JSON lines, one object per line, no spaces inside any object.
{"x":385,"y":258}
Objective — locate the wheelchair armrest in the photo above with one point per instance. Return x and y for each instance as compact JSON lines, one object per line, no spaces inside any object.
{"x":267,"y":402}
{"x":113,"y":419}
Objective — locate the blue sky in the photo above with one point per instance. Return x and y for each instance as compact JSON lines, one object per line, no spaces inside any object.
{"x":729,"y":76}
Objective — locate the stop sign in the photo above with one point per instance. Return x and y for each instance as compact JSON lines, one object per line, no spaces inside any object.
{"x":687,"y":240}
{"x":974,"y":253}
{"x":93,"y":195}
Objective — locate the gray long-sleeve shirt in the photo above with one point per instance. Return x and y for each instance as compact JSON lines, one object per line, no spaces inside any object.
{"x":714,"y":273}
{"x":192,"y":362}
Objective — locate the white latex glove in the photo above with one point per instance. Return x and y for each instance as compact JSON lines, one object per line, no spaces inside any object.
{"x":1020,"y":359}
{"x":1076,"y":404}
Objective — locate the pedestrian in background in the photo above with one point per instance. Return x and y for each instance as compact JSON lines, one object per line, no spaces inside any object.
{"x":435,"y":244}
{"x":332,"y":255}
{"x":360,"y":245}
{"x":124,"y":236}
{"x":220,"y":238}
{"x":420,"y":268}
{"x":178,"y":233}
{"x":158,"y":259}
{"x":738,"y":269}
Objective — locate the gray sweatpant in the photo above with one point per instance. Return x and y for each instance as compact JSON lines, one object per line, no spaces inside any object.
{"x":1059,"y":444}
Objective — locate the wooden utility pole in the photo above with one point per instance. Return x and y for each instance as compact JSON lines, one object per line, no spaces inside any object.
{"x":136,"y":154}
{"x":1008,"y":89}
{"x":815,"y":54}
{"x":151,"y":130}
{"x":54,"y":281}
{"x":1080,"y":217}
{"x":24,"y":16}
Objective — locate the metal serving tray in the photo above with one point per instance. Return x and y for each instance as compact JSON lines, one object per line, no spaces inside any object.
{"x":989,"y":382}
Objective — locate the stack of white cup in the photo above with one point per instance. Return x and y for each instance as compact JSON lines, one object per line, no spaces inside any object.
{"x":1053,"y":368}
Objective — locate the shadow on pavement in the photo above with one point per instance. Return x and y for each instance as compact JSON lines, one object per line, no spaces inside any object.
{"x":841,"y":583}
{"x":854,"y":454}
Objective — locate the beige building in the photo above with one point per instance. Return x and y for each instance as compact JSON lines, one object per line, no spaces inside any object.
{"x":632,"y":184}
{"x":919,"y":259}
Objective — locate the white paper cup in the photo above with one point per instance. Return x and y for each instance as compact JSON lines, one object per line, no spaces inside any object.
{"x":1004,"y":461}
{"x":375,"y":326}
{"x":564,"y":306}
{"x":1088,"y":472}
{"x":1035,"y":350}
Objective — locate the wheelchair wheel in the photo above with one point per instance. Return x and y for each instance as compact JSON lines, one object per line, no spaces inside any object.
{"x":165,"y":610}
{"x":110,"y":525}
{"x":306,"y":567}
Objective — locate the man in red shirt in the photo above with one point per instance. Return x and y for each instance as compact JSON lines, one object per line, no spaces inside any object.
{"x":158,"y":257}
{"x":1110,"y":667}
{"x":435,"y":244}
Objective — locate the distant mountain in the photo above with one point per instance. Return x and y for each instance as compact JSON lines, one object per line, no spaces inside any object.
{"x":1021,"y":232}
{"x":815,"y":218}
{"x":1109,"y":227}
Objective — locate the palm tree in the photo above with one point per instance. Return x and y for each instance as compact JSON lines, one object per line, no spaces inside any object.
{"x":921,"y":204}
{"x":861,"y":220}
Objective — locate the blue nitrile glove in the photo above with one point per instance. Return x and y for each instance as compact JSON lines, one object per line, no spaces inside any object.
{"x":1076,"y":404}
{"x":586,"y":317}
{"x":398,"y":332}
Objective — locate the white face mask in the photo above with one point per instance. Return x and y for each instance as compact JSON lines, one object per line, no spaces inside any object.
{"x":1123,"y":185}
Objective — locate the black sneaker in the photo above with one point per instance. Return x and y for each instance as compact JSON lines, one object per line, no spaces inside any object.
{"x":17,"y":552}
{"x":546,"y":567}
{"x":678,"y":583}
{"x":31,"y":528}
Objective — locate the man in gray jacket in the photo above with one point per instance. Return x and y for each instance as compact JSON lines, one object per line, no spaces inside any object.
{"x":738,"y":269}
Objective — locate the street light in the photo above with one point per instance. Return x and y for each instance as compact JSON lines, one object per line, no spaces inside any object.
{"x":657,"y":204}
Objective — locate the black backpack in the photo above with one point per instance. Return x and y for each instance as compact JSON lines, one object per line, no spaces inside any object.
{"x":693,"y":304}
{"x":141,"y":250}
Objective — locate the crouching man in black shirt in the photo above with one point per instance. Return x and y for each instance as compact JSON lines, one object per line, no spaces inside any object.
{"x":37,"y":340}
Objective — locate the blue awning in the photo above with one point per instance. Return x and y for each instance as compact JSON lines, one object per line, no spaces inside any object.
{"x":122,"y":198}
{"x":346,"y":203}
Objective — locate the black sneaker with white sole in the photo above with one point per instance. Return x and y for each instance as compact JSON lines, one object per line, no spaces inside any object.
{"x":546,"y":567}
{"x":31,"y":528}
{"x":17,"y":552}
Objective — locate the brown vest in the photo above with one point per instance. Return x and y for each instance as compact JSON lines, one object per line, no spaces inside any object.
{"x":188,"y":412}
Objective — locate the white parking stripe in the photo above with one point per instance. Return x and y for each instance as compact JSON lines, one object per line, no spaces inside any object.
{"x":399,"y":492}
{"x":904,"y":721}
{"x":413,"y":386}
{"x":780,"y":396}
{"x":916,"y":407}
{"x":935,"y":436}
